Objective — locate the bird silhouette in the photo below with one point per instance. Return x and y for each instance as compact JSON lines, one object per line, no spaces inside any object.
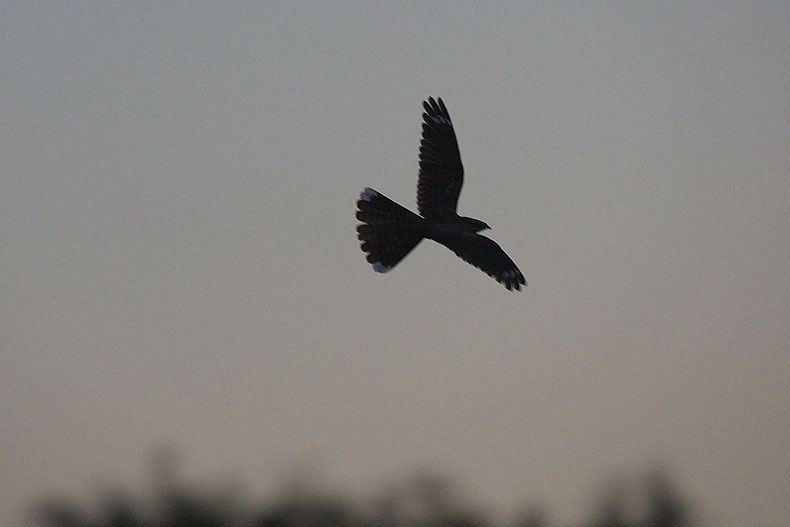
{"x":390,"y":231}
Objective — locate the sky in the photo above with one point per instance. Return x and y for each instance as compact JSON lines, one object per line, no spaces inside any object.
{"x":179,"y":262}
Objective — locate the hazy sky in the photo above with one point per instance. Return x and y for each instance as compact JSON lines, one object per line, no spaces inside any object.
{"x":178,"y":259}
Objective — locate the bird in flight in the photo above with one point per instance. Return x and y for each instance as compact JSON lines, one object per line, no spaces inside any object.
{"x":389,"y":231}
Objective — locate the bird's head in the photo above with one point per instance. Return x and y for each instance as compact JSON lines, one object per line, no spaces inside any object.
{"x":474,"y":225}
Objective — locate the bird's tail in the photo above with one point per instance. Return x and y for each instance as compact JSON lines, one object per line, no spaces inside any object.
{"x":388,"y":231}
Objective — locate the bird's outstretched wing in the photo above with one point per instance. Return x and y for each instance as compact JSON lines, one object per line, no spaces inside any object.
{"x":485,"y":254}
{"x":441,"y":172}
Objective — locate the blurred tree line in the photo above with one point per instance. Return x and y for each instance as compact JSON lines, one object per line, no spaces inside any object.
{"x":424,"y":500}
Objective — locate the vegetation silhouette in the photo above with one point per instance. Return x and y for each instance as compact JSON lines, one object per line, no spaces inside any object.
{"x":423,"y":500}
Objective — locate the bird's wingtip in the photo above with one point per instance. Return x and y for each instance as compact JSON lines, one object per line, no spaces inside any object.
{"x":381,"y":268}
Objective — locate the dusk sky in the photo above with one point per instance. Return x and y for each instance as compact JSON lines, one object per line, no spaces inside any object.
{"x":179,"y":262}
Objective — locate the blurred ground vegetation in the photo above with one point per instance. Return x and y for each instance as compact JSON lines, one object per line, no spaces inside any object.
{"x":648,"y":499}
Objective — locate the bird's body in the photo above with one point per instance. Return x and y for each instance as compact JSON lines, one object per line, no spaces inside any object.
{"x":390,"y":231}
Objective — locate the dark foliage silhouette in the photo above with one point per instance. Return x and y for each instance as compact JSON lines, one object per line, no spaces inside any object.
{"x":425,"y":500}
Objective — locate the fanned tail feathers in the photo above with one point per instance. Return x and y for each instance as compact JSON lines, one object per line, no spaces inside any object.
{"x":388,"y":231}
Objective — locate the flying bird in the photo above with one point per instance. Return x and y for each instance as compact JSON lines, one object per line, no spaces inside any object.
{"x":390,"y":231}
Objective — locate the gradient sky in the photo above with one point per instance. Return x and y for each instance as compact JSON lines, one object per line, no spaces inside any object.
{"x":179,"y":263}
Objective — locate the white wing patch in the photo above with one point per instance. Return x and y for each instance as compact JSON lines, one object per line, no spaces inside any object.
{"x":380,"y":267}
{"x":367,"y":194}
